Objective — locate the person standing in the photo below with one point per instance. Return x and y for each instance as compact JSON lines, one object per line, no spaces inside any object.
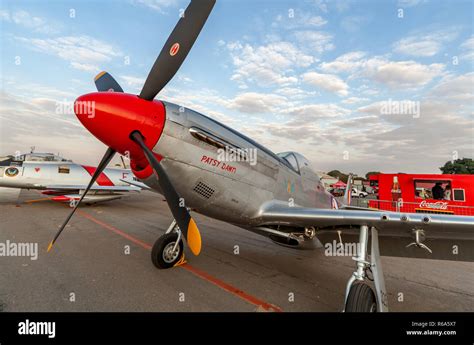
{"x":447,"y":192}
{"x":438,"y":191}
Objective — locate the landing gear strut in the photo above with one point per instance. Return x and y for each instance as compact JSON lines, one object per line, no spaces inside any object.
{"x":168,"y":248}
{"x":360,"y":297}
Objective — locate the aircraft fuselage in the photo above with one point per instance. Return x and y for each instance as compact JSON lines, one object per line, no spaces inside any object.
{"x":229,"y":188}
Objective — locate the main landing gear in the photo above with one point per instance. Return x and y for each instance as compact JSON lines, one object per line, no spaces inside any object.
{"x":360,"y":297}
{"x":168,"y":250}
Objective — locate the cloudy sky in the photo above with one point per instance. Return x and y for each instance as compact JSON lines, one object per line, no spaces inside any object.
{"x":354,"y":86}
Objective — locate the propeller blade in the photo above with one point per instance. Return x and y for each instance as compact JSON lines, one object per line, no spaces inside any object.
{"x":103,"y":163}
{"x":180,"y":213}
{"x":177,"y":47}
{"x":105,"y":82}
{"x":124,"y":165}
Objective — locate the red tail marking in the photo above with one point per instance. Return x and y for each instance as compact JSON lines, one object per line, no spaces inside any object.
{"x":102,"y":180}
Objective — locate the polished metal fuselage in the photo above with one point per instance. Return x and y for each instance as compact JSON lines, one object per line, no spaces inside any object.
{"x":232,"y":191}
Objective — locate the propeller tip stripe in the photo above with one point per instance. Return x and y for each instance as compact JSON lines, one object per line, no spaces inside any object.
{"x":194,"y":237}
{"x":99,"y":75}
{"x":50,"y":246}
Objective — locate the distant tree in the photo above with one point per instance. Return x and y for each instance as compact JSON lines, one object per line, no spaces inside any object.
{"x":371,"y":173}
{"x":339,"y":175}
{"x":334,"y":173}
{"x":459,"y":166}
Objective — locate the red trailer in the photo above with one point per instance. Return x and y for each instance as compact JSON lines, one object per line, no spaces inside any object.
{"x":424,"y":193}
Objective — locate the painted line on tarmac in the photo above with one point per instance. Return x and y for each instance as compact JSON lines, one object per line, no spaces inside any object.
{"x":197,"y":272}
{"x":36,"y":200}
{"x":229,"y":288}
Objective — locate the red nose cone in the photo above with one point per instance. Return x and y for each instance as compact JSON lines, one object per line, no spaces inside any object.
{"x":112,"y":116}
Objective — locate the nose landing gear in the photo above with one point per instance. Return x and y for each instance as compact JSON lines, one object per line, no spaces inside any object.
{"x":168,"y":251}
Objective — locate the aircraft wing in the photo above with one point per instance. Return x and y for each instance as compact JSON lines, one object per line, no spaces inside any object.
{"x":440,"y":231}
{"x":356,"y":208}
{"x":89,"y":199}
{"x":95,"y":188}
{"x":136,"y":184}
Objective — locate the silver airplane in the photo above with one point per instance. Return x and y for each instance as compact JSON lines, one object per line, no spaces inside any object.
{"x":201,"y":165}
{"x":63,"y":180}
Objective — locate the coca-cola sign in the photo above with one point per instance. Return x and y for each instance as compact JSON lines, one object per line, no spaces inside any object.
{"x":438,"y":205}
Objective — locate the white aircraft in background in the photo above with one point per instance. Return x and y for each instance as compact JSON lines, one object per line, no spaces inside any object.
{"x":63,"y":179}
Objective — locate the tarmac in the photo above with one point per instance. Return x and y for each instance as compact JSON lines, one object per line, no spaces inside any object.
{"x":102,"y":263}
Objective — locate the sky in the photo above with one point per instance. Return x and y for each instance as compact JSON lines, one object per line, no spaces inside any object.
{"x":356,"y":86}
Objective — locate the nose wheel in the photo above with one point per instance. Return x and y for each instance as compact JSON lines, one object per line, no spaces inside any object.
{"x":167,"y":251}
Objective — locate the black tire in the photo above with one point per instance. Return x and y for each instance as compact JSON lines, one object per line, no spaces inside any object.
{"x":164,"y":243}
{"x":361,"y":299}
{"x":361,"y":196}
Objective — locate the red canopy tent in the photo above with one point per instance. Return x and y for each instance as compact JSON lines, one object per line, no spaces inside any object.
{"x":338,"y":184}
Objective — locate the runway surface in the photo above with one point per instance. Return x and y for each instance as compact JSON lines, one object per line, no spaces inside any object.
{"x":102,"y":263}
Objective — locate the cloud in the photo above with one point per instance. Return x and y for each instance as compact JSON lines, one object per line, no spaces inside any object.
{"x":353,"y":23}
{"x":468,"y":49}
{"x":357,"y":121}
{"x":339,"y":5}
{"x":354,"y":100}
{"x":440,"y":130}
{"x":31,"y":121}
{"x":328,"y":82}
{"x":38,"y":91}
{"x":156,"y":5}
{"x":455,"y":88}
{"x":409,"y":3}
{"x":321,"y":5}
{"x":393,"y":111}
{"x":29,"y":21}
{"x":424,"y":45}
{"x":294,"y":93}
{"x":406,"y":73}
{"x":315,"y":21}
{"x":344,"y":63}
{"x":84,"y":67}
{"x":304,"y":114}
{"x":5,"y":15}
{"x":386,"y":142}
{"x":305,"y":123}
{"x":290,"y":133}
{"x":205,"y":101}
{"x":299,"y":20}
{"x":82,"y":52}
{"x":394,"y":74}
{"x":252,"y":102}
{"x":267,"y":65}
{"x":314,"y":42}
{"x":133,"y":83}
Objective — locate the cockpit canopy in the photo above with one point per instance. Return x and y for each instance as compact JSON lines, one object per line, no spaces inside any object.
{"x":295,"y":161}
{"x":41,"y":157}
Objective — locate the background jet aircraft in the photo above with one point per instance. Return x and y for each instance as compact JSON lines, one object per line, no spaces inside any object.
{"x":62,"y":179}
{"x":178,"y":152}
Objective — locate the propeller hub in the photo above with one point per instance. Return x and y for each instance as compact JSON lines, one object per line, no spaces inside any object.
{"x":112,"y":116}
